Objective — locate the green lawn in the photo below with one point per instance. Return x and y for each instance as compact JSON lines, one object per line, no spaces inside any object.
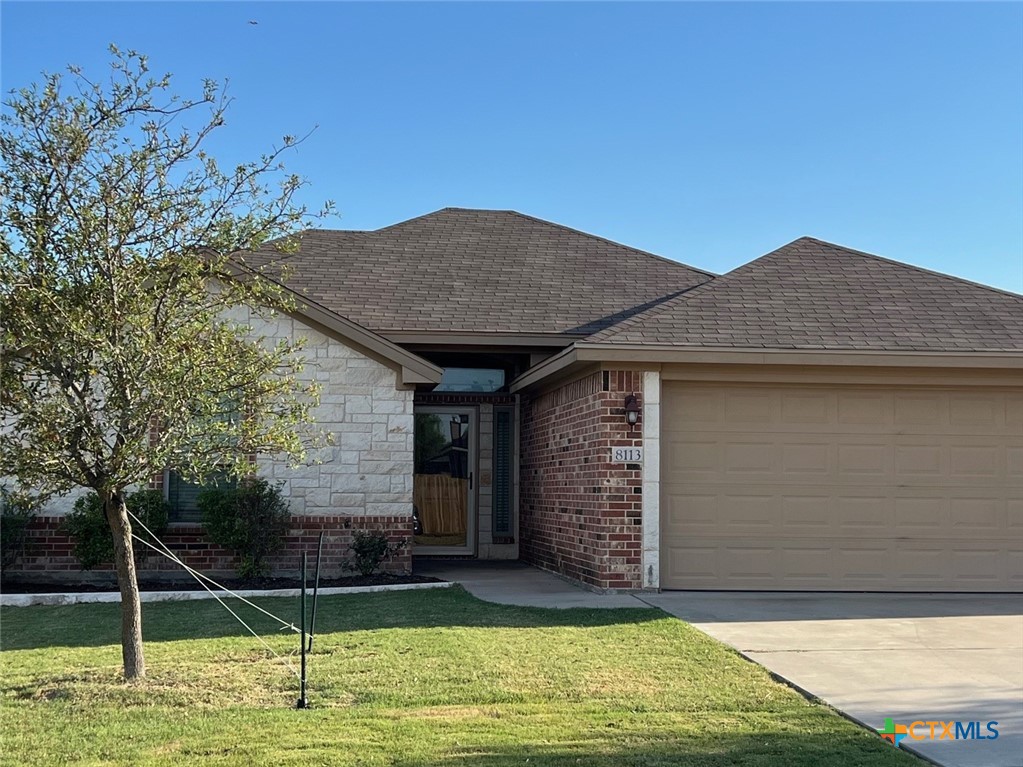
{"x":409,"y":678}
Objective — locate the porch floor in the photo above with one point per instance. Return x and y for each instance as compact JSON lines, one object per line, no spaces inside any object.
{"x":516,"y":583}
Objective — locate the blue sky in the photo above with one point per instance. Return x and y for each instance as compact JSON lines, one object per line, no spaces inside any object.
{"x":709,"y":133}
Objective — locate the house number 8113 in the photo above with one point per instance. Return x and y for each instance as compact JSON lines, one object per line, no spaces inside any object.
{"x":626,"y":454}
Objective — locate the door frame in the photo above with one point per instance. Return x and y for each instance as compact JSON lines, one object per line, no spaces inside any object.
{"x":472,"y":506}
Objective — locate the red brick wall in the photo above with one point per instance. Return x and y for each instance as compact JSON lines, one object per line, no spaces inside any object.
{"x":48,"y":553}
{"x":580,"y":514}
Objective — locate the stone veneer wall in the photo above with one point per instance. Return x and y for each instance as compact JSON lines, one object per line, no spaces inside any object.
{"x":581,"y":514}
{"x":363,"y":481}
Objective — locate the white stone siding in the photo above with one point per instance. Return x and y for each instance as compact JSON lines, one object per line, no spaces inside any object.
{"x":368,"y":469}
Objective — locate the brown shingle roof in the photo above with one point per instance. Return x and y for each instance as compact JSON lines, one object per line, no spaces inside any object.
{"x":812,"y":294}
{"x":460,"y":270}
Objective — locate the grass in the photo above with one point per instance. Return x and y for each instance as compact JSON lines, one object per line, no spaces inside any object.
{"x":408,"y":678}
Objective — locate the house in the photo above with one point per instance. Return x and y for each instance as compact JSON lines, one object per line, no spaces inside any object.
{"x":817,"y":419}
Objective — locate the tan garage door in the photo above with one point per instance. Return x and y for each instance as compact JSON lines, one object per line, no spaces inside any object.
{"x":841,"y":488}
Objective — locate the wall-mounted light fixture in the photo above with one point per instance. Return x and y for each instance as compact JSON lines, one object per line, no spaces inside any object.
{"x":631,"y":410}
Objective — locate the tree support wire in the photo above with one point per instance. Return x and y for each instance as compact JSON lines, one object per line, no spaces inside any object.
{"x":199,"y":578}
{"x":198,"y":575}
{"x":305,"y":639}
{"x":223,"y":604}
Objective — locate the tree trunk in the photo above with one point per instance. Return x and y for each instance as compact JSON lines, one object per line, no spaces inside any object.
{"x":127,"y":582}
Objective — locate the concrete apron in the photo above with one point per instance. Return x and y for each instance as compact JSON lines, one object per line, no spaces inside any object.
{"x":908,"y":657}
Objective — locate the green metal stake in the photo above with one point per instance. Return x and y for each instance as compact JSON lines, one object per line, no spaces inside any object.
{"x":316,"y":591}
{"x":303,"y":701}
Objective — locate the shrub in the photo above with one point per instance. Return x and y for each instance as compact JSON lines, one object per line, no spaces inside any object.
{"x":16,"y":512}
{"x":251,"y":519}
{"x":87,"y":526}
{"x":370,"y":549}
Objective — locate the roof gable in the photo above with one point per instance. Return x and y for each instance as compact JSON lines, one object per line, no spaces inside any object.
{"x":812,"y":294}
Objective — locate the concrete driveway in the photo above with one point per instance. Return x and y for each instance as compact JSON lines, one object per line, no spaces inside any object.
{"x":910,"y":657}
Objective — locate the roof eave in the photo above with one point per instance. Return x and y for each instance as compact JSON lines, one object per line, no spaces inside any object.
{"x":480,"y":338}
{"x":625,"y":352}
{"x":551,"y":367}
{"x":580,"y":354}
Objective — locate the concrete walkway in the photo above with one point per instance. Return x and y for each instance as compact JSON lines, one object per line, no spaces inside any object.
{"x":910,"y":657}
{"x":514,"y":583}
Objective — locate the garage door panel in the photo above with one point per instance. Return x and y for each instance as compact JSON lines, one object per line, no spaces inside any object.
{"x":919,"y":516}
{"x":919,"y":459}
{"x":862,"y":561}
{"x":800,"y":407}
{"x":920,"y":409}
{"x":688,"y":513}
{"x":778,"y":510}
{"x":806,"y":564}
{"x":1014,"y":518}
{"x":698,"y":456}
{"x":819,"y":487}
{"x":971,"y":461}
{"x":1014,"y":464}
{"x":1014,"y":567}
{"x":869,"y":408}
{"x":1014,"y":413}
{"x":749,"y":456}
{"x":975,"y":411}
{"x":805,"y":514}
{"x":804,"y":457}
{"x":751,"y":407}
{"x":985,"y":516}
{"x":869,"y":460}
{"x":863,"y":564}
{"x":701,"y":407}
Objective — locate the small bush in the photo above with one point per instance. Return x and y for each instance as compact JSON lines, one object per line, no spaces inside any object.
{"x":88,"y":528}
{"x":251,"y":519}
{"x":16,"y":512}
{"x":370,"y":549}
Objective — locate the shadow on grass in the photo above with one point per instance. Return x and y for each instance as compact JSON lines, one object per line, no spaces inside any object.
{"x":93,"y":625}
{"x":714,"y":749}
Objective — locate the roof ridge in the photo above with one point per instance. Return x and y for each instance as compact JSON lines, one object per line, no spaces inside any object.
{"x":332,"y":230}
{"x":905,"y":265}
{"x":556,"y":225}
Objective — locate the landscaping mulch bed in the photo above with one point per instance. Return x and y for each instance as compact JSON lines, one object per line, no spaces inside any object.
{"x":235,"y":584}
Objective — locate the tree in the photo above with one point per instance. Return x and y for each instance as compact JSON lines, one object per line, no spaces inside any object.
{"x":127,"y":343}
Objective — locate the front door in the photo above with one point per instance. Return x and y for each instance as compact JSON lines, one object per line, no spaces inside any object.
{"x":443,"y":486}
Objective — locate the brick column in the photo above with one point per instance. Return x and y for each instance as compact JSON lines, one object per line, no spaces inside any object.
{"x":581,"y":514}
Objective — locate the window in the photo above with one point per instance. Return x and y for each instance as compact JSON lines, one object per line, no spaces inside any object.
{"x":471,"y":380}
{"x":183,"y":496}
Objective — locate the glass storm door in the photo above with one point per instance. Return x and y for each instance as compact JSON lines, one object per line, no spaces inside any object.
{"x":443,"y":486}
